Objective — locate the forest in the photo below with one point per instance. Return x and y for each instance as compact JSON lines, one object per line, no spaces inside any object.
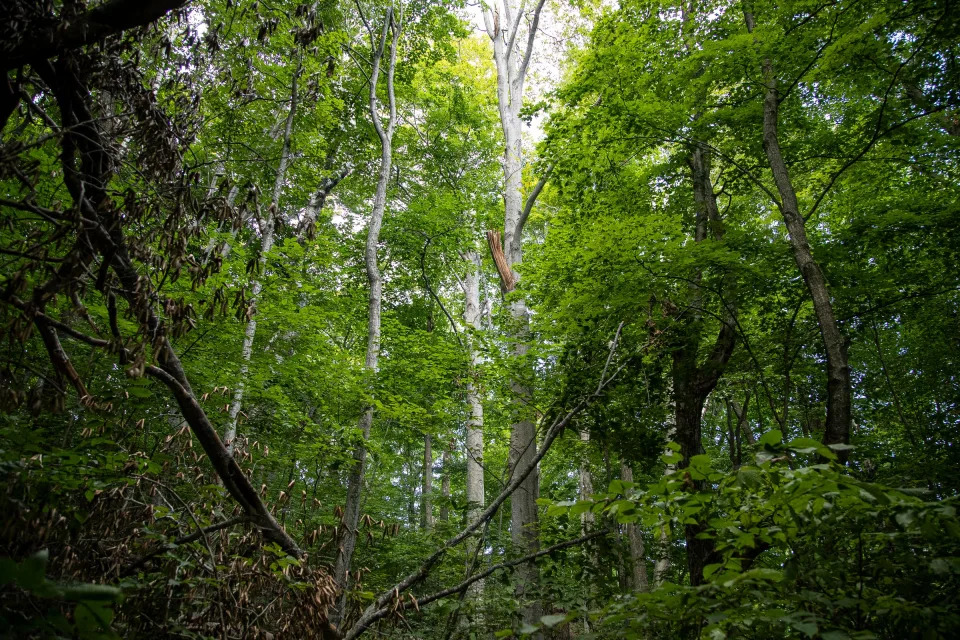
{"x":459,"y":319}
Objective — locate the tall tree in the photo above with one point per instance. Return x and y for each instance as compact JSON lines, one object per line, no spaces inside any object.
{"x":511,"y":54}
{"x":267,"y":231}
{"x":383,"y":50}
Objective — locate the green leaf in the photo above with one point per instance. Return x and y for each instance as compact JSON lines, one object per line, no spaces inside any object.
{"x":840,"y":447}
{"x":33,"y":571}
{"x":582,"y":506}
{"x":8,"y":571}
{"x":772,"y":437}
{"x":808,"y":628}
{"x":671,"y":458}
{"x":906,"y":518}
{"x":91,"y":593}
{"x":553,"y":620}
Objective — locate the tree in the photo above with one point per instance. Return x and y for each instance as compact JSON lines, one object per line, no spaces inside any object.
{"x":380,"y":53}
{"x":512,"y":59}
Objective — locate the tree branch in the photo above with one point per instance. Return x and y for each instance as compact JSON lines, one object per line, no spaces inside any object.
{"x":500,"y":260}
{"x":531,"y":200}
{"x":463,"y":586}
{"x":196,"y":535}
{"x":426,"y":283}
{"x":522,"y":70}
{"x":107,"y":19}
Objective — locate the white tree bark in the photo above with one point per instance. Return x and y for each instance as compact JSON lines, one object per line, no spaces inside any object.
{"x":266,"y":244}
{"x":587,"y":518}
{"x":471,"y":318}
{"x":351,"y":516}
{"x":502,"y":23}
{"x":426,"y":504}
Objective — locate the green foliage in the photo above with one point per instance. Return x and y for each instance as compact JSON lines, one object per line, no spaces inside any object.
{"x":804,"y":551}
{"x":628,"y":287}
{"x":92,"y":603}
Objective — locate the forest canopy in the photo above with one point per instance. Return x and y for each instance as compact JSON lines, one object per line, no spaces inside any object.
{"x":429,"y":319}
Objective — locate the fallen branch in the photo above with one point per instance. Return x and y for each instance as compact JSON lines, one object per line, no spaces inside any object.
{"x":463,"y":586}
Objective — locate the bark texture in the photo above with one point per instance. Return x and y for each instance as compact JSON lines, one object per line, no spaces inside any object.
{"x":638,"y":555}
{"x":351,"y":517}
{"x":693,"y":380}
{"x":426,"y":490}
{"x":837,"y":367}
{"x":471,"y":318}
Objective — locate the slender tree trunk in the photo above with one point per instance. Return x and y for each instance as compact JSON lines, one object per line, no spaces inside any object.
{"x":586,"y":483}
{"x":426,"y":491}
{"x":743,"y":421}
{"x":592,"y":567}
{"x":447,"y":461}
{"x":266,"y":244}
{"x":409,"y":485}
{"x":834,"y":342}
{"x":307,"y":226}
{"x":351,"y":516}
{"x":661,"y":567}
{"x":475,"y":467}
{"x":638,"y":556}
{"x":471,"y":318}
{"x":838,"y":369}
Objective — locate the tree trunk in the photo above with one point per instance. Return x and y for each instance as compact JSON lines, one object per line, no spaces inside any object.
{"x":693,"y":381}
{"x":502,"y":24}
{"x":638,"y":556}
{"x":471,"y":318}
{"x":426,"y":491}
{"x":587,"y":519}
{"x":447,"y":461}
{"x":351,"y":515}
{"x":586,"y":483}
{"x":307,"y":227}
{"x":689,"y":411}
{"x":266,"y":244}
{"x":475,"y":467}
{"x":837,"y":366}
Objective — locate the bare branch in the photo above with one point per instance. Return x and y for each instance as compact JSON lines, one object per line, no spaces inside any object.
{"x":463,"y":586}
{"x":531,"y":200}
{"x":426,"y":282}
{"x":496,"y":251}
{"x":522,"y":69}
{"x":515,"y":28}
